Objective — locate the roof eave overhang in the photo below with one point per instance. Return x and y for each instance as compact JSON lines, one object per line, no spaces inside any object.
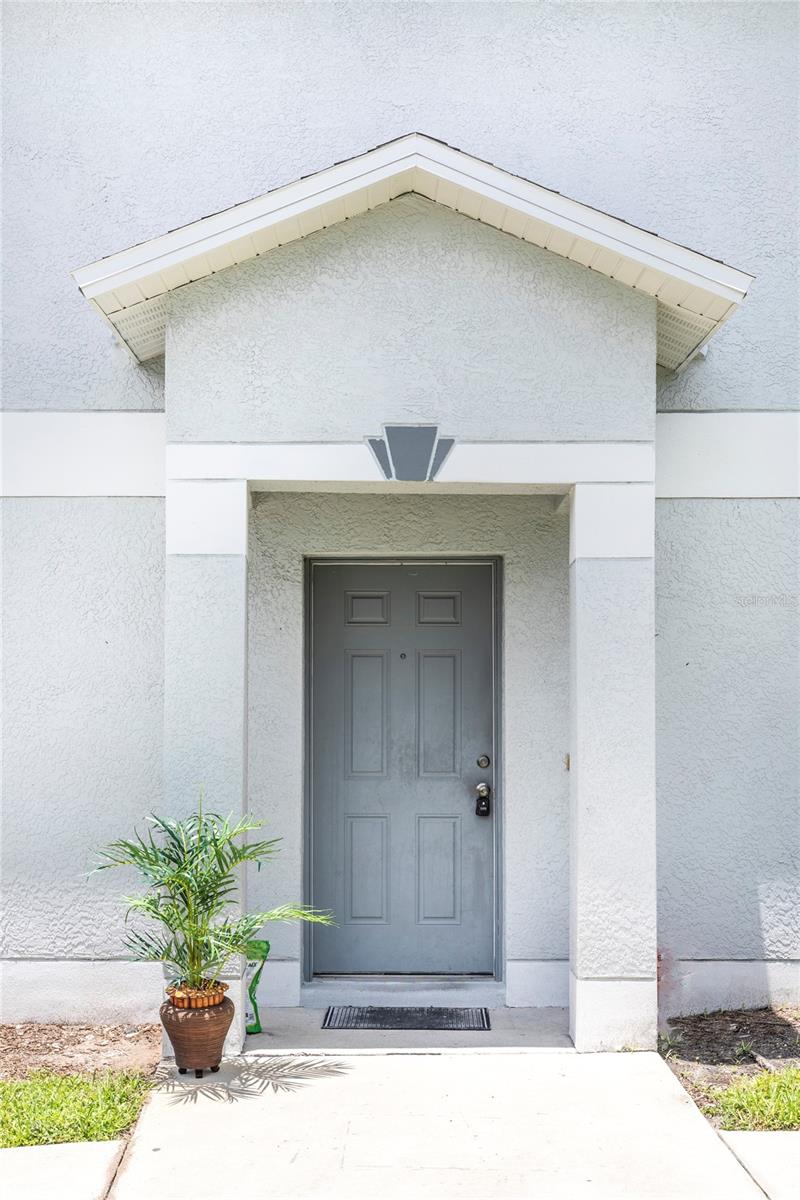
{"x":696,"y":294}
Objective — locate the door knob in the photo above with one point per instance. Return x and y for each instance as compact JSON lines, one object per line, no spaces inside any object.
{"x":482,"y":804}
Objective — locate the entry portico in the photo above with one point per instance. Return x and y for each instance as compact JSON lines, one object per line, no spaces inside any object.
{"x":314,"y":393}
{"x":612,"y":977}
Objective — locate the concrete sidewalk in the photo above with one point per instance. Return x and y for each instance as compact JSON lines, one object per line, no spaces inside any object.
{"x":773,"y":1159}
{"x":427,"y":1125}
{"x":69,"y":1171}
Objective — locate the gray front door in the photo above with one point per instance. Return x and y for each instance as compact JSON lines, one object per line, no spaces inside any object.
{"x":402,"y":709}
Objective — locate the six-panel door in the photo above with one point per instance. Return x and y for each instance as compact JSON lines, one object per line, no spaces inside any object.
{"x":402,"y":709}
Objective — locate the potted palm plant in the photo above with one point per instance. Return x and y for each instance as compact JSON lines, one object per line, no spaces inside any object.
{"x":190,"y":868}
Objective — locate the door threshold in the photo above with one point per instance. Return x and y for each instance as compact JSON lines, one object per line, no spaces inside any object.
{"x":386,"y":991}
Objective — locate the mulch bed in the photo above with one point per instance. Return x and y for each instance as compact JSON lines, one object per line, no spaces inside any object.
{"x":78,"y":1049}
{"x":713,"y":1050}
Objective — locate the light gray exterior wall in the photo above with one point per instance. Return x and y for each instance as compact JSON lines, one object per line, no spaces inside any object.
{"x":205,"y":651}
{"x":124,"y":121}
{"x":83,"y":620}
{"x":533,"y":541}
{"x":612,"y":934}
{"x":728,"y":699}
{"x":410,"y":313}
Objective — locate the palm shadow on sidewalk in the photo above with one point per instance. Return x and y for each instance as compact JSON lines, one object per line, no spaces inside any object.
{"x":247,"y":1078}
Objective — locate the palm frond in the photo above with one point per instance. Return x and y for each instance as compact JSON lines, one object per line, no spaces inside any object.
{"x":191,"y":868}
{"x":297,"y":912}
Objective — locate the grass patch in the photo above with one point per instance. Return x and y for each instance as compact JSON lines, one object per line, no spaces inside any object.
{"x":47,"y":1108}
{"x":767,"y":1101}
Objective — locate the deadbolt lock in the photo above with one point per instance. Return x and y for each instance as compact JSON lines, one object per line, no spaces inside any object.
{"x":484,"y":761}
{"x":483,"y":803}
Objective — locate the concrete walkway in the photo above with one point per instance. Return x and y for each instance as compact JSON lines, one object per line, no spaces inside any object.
{"x":70,"y":1171}
{"x":421,"y":1124}
{"x":291,"y":1029}
{"x":773,"y":1159}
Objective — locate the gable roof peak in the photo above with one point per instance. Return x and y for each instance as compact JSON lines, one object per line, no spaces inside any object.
{"x":696,"y":294}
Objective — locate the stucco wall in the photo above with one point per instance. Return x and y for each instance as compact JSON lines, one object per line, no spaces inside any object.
{"x":728,"y":697}
{"x":123,"y":121}
{"x":83,"y":622}
{"x":410,"y":312}
{"x":533,"y":541}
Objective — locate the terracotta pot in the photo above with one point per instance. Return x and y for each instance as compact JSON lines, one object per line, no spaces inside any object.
{"x":197,"y":1034}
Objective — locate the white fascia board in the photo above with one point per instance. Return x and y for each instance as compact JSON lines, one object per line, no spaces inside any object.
{"x":414,"y":151}
{"x":583,"y":221}
{"x":252,"y":216}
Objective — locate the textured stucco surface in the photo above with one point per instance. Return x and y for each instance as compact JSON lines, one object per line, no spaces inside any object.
{"x":83,"y":710}
{"x":123,"y":121}
{"x":728,"y":697}
{"x":410,"y":312}
{"x":205,"y":685}
{"x":612,"y":825}
{"x":126,"y":120}
{"x":533,"y":541}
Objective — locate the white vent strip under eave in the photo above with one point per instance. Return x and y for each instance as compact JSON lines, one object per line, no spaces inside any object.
{"x":695,"y":294}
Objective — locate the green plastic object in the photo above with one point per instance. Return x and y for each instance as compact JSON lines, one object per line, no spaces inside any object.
{"x":257,"y":954}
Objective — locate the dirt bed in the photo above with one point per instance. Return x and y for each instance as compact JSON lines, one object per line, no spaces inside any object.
{"x":73,"y":1049}
{"x":713,"y":1050}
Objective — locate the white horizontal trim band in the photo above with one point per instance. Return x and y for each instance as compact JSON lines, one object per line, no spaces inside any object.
{"x":82,"y":454}
{"x":702,"y":985}
{"x":539,"y":463}
{"x":704,"y":455}
{"x":290,"y":462}
{"x":727,"y":455}
{"x":549,"y":462}
{"x":537,"y":983}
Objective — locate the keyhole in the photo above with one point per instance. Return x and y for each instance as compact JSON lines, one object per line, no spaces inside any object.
{"x":403,"y":654}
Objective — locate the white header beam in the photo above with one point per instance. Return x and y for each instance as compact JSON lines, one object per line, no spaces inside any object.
{"x":208,"y":517}
{"x":548,"y":462}
{"x":612,"y":520}
{"x":286,"y":461}
{"x":703,"y":455}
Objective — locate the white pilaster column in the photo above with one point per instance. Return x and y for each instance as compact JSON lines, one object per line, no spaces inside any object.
{"x":205,"y":646}
{"x":613,"y":1002}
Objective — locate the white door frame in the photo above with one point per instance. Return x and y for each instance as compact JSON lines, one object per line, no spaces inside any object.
{"x":498,"y":864}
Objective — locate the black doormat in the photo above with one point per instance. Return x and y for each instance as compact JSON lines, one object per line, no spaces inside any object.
{"x":341,"y":1016}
